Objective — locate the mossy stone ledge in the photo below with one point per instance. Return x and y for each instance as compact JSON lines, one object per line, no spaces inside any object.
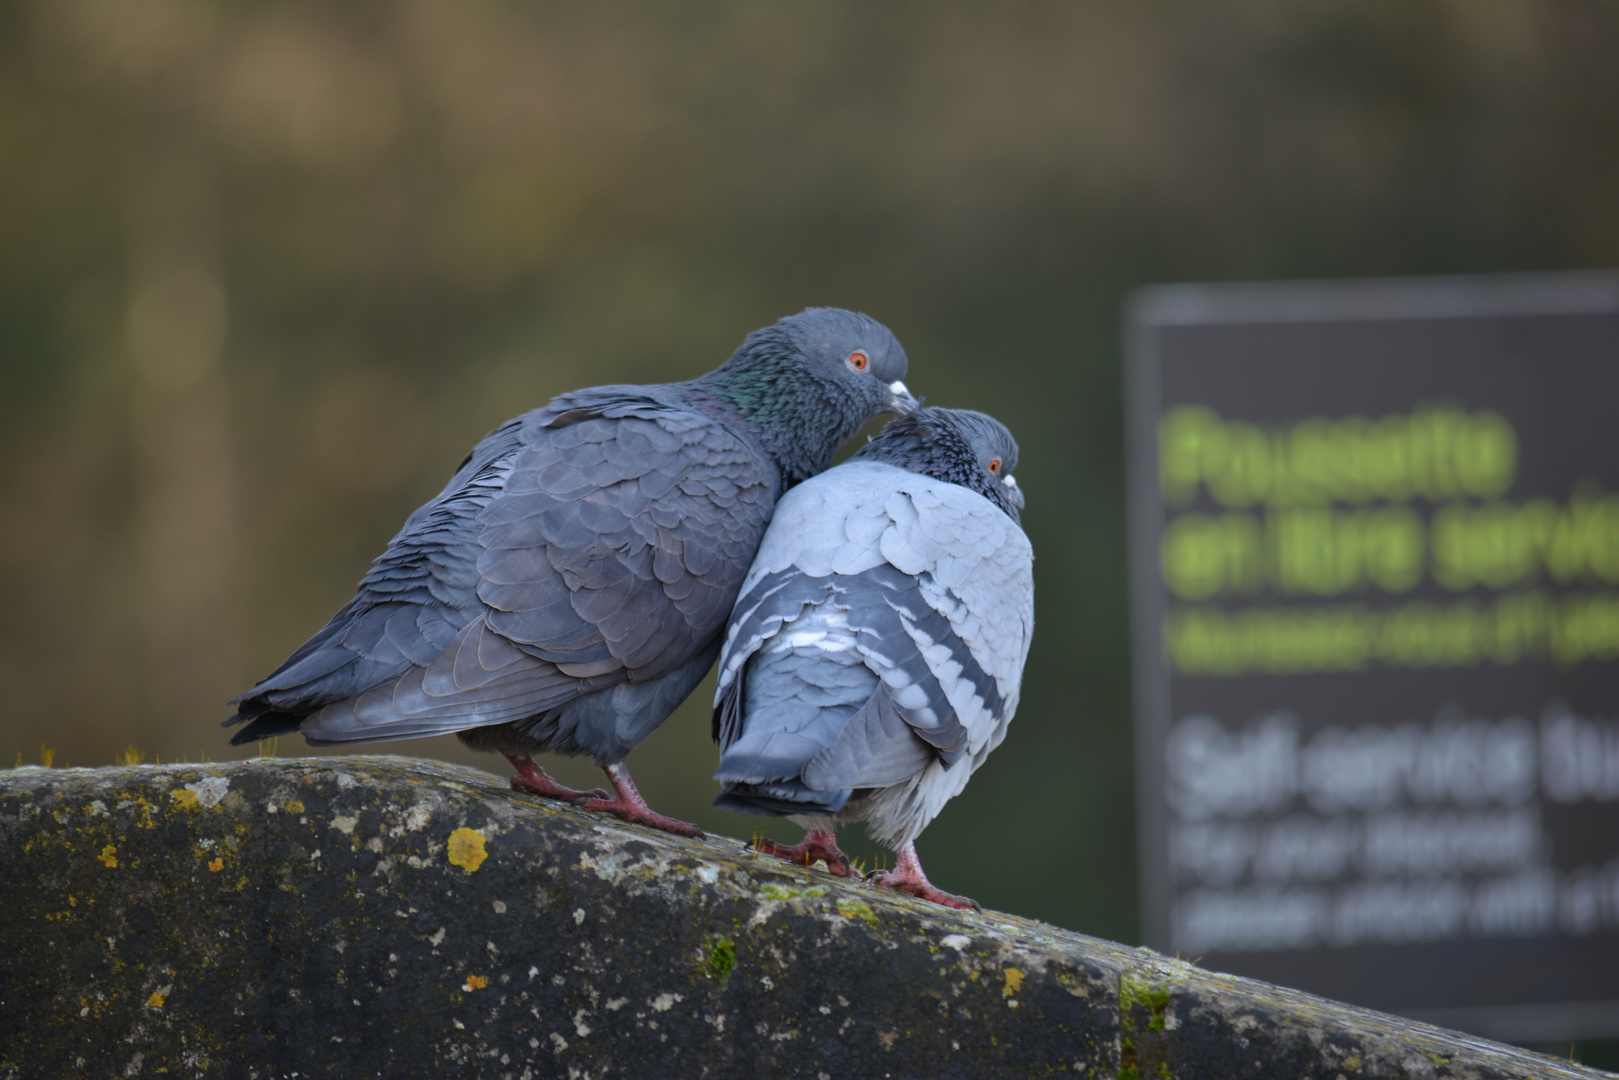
{"x":389,"y":917}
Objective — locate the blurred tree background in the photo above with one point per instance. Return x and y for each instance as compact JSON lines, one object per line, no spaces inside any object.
{"x":268,"y":270}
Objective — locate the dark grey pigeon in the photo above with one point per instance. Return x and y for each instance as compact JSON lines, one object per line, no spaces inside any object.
{"x":569,"y":587}
{"x":874,"y":658}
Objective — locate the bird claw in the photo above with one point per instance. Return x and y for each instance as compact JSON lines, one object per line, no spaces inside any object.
{"x":640,"y":815}
{"x":540,"y":783}
{"x":922,"y":890}
{"x":806,"y":853}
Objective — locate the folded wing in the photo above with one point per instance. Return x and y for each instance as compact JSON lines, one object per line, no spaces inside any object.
{"x":596,"y":541}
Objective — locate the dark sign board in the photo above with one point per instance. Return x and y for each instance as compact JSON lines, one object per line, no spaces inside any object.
{"x":1375,"y":545}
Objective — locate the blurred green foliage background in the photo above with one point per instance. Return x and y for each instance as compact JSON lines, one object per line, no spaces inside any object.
{"x":268,"y":270}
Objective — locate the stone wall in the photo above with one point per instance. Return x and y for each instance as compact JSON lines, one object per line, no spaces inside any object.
{"x":388,"y":917}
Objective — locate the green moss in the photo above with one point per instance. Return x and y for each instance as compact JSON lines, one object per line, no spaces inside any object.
{"x":1154,"y":997}
{"x":787,"y":892}
{"x":1127,"y":1061}
{"x":851,"y":908}
{"x":1143,"y":1005}
{"x":721,"y":958}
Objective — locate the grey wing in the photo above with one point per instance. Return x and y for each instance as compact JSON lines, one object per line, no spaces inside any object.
{"x":602,"y":545}
{"x":982,"y":583}
{"x":934,"y":701}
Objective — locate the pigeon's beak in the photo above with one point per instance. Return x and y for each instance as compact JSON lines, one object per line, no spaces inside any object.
{"x":1013,"y":490}
{"x":903,"y":402}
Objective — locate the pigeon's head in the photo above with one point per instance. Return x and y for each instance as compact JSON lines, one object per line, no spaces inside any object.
{"x":811,"y":380}
{"x":959,"y":446}
{"x":857,"y":360}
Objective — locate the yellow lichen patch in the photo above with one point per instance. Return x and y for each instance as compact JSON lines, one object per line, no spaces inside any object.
{"x":466,"y":849}
{"x":156,"y":1000}
{"x":143,"y":811}
{"x":108,"y":856}
{"x":474,"y":982}
{"x":185,"y":798}
{"x":293,"y":806}
{"x":216,"y":866}
{"x":1014,"y":981}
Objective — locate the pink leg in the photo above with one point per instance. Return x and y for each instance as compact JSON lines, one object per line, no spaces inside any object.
{"x":530,"y":777}
{"x":907,"y":877}
{"x":819,"y":845}
{"x":631,"y":807}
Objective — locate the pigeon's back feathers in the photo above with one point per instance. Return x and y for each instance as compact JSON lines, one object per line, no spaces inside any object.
{"x":878,"y":643}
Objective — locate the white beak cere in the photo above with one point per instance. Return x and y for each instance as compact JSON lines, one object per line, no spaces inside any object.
{"x":1009,"y":480}
{"x":903,"y":401}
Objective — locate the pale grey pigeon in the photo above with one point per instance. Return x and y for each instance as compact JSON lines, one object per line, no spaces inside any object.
{"x":569,"y":587}
{"x":874,"y":658}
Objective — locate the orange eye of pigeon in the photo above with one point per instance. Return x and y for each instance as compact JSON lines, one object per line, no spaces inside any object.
{"x":858,"y":361}
{"x":995,"y":465}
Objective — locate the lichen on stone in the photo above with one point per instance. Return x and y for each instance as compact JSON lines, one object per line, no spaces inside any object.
{"x":382,"y":916}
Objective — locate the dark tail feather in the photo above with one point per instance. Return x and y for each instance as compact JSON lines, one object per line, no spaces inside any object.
{"x":780,"y":799}
{"x":727,"y":724}
{"x":263,"y":725}
{"x":252,"y":710}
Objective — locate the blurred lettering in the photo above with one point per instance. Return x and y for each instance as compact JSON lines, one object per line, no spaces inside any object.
{"x":1532,"y":625}
{"x":1437,"y":453}
{"x":1579,"y":756}
{"x":1322,"y":551}
{"x":1383,"y":834}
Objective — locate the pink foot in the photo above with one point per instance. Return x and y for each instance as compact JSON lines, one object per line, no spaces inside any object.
{"x":907,"y":877}
{"x":530,"y":777}
{"x":818,"y":846}
{"x":629,"y":806}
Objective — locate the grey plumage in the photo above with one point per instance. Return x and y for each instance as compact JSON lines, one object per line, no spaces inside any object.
{"x":569,"y":586}
{"x":874,"y":657}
